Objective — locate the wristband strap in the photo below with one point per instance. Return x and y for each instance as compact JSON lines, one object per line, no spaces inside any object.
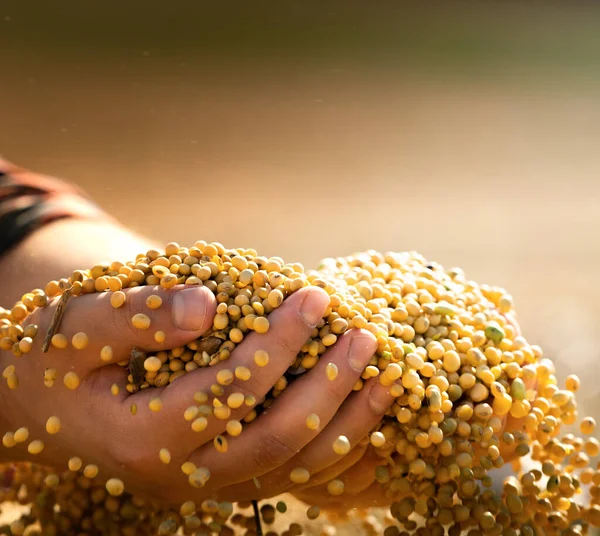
{"x":28,"y":201}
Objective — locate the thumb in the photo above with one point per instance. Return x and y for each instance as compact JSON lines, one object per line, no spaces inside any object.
{"x":170,"y":318}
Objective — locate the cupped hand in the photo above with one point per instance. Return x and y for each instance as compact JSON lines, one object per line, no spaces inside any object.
{"x":99,"y":427}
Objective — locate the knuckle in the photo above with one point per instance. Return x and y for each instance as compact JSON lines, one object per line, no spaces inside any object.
{"x":290,"y":345}
{"x":273,"y":450}
{"x":339,"y":390}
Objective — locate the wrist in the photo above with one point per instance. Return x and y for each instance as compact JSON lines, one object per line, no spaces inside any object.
{"x":41,"y":257}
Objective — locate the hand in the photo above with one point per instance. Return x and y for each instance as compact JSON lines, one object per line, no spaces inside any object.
{"x":358,"y":413}
{"x":99,"y":427}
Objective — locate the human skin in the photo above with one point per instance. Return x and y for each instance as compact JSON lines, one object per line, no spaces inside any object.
{"x":99,"y":427}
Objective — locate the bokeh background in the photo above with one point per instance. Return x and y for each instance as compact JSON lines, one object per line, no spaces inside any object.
{"x":467,"y":131}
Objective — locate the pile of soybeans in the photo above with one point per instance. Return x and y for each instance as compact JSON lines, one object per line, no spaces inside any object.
{"x":447,"y":349}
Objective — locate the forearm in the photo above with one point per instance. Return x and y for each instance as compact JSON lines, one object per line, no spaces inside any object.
{"x":57,"y":249}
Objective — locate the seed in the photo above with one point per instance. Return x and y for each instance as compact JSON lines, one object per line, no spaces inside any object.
{"x":71,"y":380}
{"x":572,"y":383}
{"x":35,"y":447}
{"x":153,"y":301}
{"x":587,"y":426}
{"x":518,"y":390}
{"x":167,"y":527}
{"x":190,"y":413}
{"x":299,"y":475}
{"x":592,"y":447}
{"x":377,"y":439}
{"x":200,"y":397}
{"x":217,"y":389}
{"x":335,"y":487}
{"x":494,"y":333}
{"x":234,"y":428}
{"x":106,"y":354}
{"x":313,"y":421}
{"x":261,"y":324}
{"x":332,"y":371}
{"x":444,"y":308}
{"x":159,"y":337}
{"x":199,"y":477}
{"x":200,"y":424}
{"x":164,"y":456}
{"x":155,"y":404}
{"x":261,"y":358}
{"x":141,"y":321}
{"x":188,"y":508}
{"x":220,"y":443}
{"x":8,"y":440}
{"x":281,"y":507}
{"x":502,"y":404}
{"x":25,"y":344}
{"x":59,"y":341}
{"x":114,"y":389}
{"x":152,"y":364}
{"x":235,"y":400}
{"x":17,"y":528}
{"x":393,"y":371}
{"x":53,"y":425}
{"x":341,"y":445}
{"x":75,"y":464}
{"x":21,"y":435}
{"x":242,"y":373}
{"x":12,"y":381}
{"x":222,"y":412}
{"x":187,"y":468}
{"x":133,"y":409}
{"x":80,"y":341}
{"x":52,"y":481}
{"x":90,"y":471}
{"x":225,"y":377}
{"x":329,"y":340}
{"x":117,"y":299}
{"x":115,"y":487}
{"x":313,"y":512}
{"x":451,"y":361}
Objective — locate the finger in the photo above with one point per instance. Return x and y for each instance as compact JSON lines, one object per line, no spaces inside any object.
{"x":358,"y":415}
{"x":185,"y":314}
{"x":290,"y":326}
{"x":281,"y":432}
{"x":361,"y":475}
{"x":375,"y":495}
{"x":335,"y":470}
{"x":275,"y":483}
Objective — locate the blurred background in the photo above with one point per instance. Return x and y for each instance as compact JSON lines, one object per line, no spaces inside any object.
{"x":467,"y":131}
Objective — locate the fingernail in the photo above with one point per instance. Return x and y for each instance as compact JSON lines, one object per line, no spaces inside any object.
{"x":380,"y":398}
{"x":313,"y":306}
{"x":362,"y":348}
{"x":190,"y":306}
